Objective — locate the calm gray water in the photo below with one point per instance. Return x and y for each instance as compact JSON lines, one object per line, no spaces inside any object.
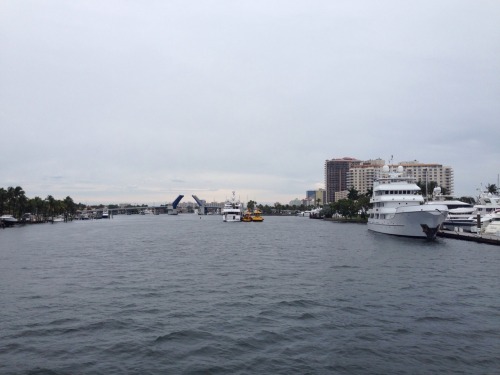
{"x":184,"y":295}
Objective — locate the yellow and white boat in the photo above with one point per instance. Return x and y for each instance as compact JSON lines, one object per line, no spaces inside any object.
{"x":247,"y":216}
{"x":257,"y":215}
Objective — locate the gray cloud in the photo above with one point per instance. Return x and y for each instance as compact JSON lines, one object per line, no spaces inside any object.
{"x":141,"y":101}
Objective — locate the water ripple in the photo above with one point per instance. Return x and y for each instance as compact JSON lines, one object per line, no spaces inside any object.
{"x":183,"y":295}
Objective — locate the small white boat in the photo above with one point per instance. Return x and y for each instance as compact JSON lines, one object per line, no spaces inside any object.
{"x":399,"y":208}
{"x":232,"y":211}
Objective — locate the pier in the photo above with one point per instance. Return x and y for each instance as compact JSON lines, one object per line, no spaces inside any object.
{"x":467,"y":236}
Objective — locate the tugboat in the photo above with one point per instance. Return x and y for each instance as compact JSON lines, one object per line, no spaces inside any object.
{"x":257,"y":216}
{"x":399,"y":208}
{"x":247,"y":217}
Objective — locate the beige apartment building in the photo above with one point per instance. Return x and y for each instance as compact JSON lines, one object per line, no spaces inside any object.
{"x":361,"y":176}
{"x":442,"y":175}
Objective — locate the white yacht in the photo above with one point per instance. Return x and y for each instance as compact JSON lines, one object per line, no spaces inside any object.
{"x":399,"y":209}
{"x":461,"y":215}
{"x":487,"y":203}
{"x":473,"y":218}
{"x":493,"y":226}
{"x":232,"y":211}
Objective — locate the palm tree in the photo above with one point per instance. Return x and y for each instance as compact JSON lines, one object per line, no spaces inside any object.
{"x":353,"y":194}
{"x":70,"y":207}
{"x":3,"y":200}
{"x":492,"y":188}
{"x":251,"y":205}
{"x":10,"y":199}
{"x":50,"y":205}
{"x":37,"y":206}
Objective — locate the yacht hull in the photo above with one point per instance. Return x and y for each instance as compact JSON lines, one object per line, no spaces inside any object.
{"x":413,"y":221}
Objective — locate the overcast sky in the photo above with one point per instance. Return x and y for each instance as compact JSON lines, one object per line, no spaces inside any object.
{"x":139,"y":101}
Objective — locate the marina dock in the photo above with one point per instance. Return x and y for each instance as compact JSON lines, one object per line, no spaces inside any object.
{"x":467,"y":236}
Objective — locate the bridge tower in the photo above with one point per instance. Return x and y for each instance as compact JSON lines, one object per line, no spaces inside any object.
{"x":172,"y":208}
{"x":203,"y":209}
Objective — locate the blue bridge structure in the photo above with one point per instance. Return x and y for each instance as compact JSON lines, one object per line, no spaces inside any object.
{"x":172,"y":208}
{"x":204,"y":208}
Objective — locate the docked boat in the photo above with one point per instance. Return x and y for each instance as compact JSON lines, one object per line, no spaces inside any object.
{"x":247,"y":217}
{"x":232,"y":210}
{"x":464,"y":217}
{"x":493,"y":226}
{"x":487,"y":203}
{"x":7,"y":220}
{"x":399,"y":208}
{"x":460,"y":219}
{"x":461,"y":215}
{"x":257,"y":216}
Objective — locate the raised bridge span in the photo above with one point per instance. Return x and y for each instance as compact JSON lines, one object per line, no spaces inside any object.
{"x":203,"y":206}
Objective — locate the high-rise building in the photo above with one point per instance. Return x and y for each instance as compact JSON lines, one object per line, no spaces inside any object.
{"x":427,"y":172}
{"x":361,"y":176}
{"x":336,"y":176}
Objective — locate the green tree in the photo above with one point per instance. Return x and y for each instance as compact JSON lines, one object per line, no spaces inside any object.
{"x":347,"y":208}
{"x":492,"y":188}
{"x":364,"y":205}
{"x":3,"y":200}
{"x":428,"y":188}
{"x":251,"y":205}
{"x":69,"y":206}
{"x":353,"y":194}
{"x":50,"y":206}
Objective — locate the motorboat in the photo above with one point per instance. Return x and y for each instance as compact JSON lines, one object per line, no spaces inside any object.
{"x":399,"y":207}
{"x":232,"y":210}
{"x":8,"y":220}
{"x":58,"y":219}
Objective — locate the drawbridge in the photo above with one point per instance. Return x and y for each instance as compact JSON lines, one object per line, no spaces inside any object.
{"x":204,"y":207}
{"x":172,"y":207}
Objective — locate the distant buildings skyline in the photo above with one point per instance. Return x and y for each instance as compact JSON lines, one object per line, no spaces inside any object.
{"x":342,"y":174}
